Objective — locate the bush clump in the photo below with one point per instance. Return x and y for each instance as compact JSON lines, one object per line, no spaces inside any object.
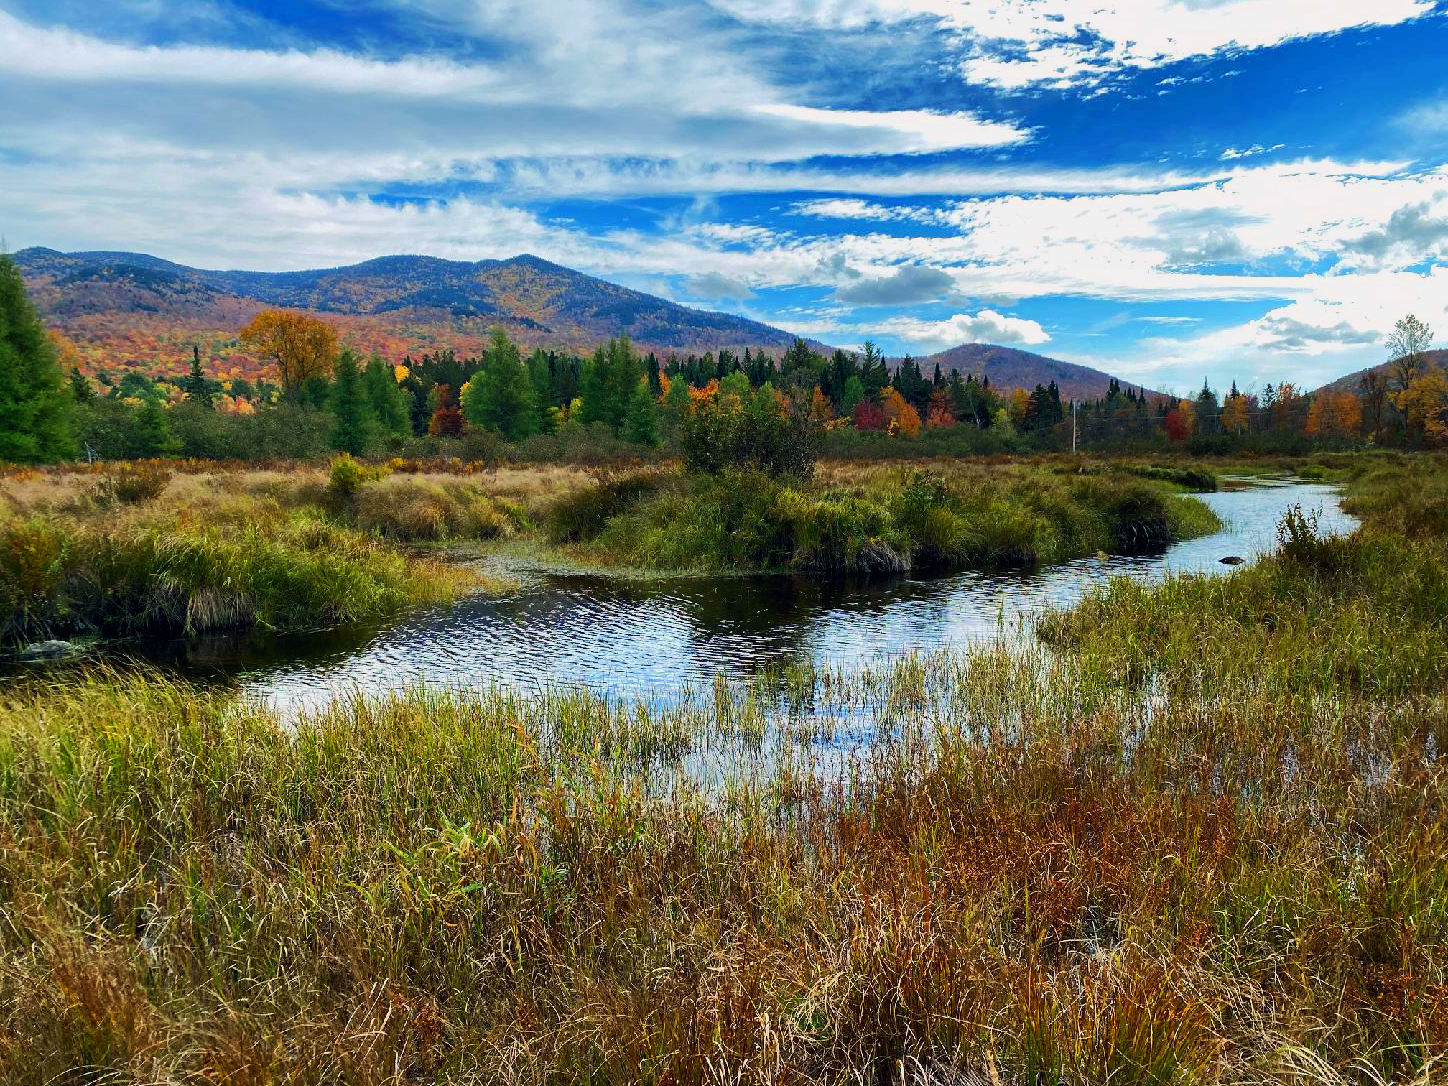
{"x":287,"y":573}
{"x":132,"y":484}
{"x":581,"y":516}
{"x":421,"y":510}
{"x":759,"y":431}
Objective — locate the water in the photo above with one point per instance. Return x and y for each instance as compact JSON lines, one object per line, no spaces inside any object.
{"x":648,"y":638}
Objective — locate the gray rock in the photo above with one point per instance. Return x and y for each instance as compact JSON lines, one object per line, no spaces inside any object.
{"x":48,"y":650}
{"x":1232,"y":560}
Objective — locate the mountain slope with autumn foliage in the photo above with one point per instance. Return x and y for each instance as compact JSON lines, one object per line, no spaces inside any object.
{"x":122,"y":309}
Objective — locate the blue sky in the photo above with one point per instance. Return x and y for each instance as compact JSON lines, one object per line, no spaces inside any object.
{"x":1168,"y":189}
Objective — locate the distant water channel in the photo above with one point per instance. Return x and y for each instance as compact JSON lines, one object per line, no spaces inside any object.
{"x":631,"y":638}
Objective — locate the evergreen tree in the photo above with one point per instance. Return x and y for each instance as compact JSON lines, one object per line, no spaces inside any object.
{"x":153,"y":430}
{"x":541,"y":369}
{"x":389,"y":403}
{"x":852,"y":395}
{"x":643,"y":416}
{"x":624,"y":371}
{"x":355,"y":425}
{"x":195,"y":384}
{"x":34,"y":402}
{"x":80,"y":388}
{"x":500,"y":395}
{"x":595,"y":389}
{"x":874,"y":373}
{"x":655,"y":384}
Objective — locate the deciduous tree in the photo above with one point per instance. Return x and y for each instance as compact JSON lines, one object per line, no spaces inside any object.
{"x":1406,"y":346}
{"x":302,"y":346}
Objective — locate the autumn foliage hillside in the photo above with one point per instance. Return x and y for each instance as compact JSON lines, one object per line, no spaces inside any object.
{"x":129,"y":310}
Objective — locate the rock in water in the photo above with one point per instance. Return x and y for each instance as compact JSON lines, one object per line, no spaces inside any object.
{"x":48,"y":650}
{"x":1232,"y":560}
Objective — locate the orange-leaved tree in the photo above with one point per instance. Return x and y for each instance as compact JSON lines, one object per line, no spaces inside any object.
{"x":901,"y":417}
{"x":1425,"y":402}
{"x":303,"y":346}
{"x":1235,"y":417}
{"x":1347,"y":414}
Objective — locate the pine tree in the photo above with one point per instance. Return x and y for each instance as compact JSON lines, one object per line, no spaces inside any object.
{"x":500,"y":395}
{"x":153,"y":429}
{"x":643,"y":416}
{"x":195,"y":385}
{"x":34,"y":401}
{"x":355,"y":427}
{"x":388,"y":401}
{"x":80,"y":388}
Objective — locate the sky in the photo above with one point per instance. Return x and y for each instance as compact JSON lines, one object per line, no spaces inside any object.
{"x":1171,"y":190}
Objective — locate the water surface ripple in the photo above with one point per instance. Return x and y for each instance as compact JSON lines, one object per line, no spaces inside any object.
{"x":648,"y":638}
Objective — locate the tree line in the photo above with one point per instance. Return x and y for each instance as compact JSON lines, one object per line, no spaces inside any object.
{"x":327,"y":398}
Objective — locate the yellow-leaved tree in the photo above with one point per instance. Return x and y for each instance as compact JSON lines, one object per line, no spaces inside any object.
{"x":1234,"y":415}
{"x":303,"y":346}
{"x":1425,"y":402}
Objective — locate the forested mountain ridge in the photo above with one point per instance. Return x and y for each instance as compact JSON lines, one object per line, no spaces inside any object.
{"x":124,"y":309}
{"x":1010,"y":368}
{"x":140,"y":305}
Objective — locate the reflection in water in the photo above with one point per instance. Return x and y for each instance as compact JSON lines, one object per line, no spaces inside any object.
{"x":647,"y":638}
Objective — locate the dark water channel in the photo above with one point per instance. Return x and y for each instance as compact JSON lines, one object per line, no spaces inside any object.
{"x":649,"y":638}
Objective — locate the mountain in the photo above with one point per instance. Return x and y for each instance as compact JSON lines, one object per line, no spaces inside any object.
{"x":1009,"y":368}
{"x":123,"y":310}
{"x":1349,"y":382}
{"x":130,"y":308}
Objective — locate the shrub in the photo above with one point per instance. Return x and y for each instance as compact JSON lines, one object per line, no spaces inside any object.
{"x":760,"y":432}
{"x":420,"y":510}
{"x":581,"y":516}
{"x":347,"y":476}
{"x":132,"y":484}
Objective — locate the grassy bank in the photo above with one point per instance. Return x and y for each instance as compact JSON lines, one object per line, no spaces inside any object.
{"x":1014,"y":866}
{"x":140,"y":553}
{"x":1366,"y":612}
{"x":867,"y":519}
{"x":1023,"y":878}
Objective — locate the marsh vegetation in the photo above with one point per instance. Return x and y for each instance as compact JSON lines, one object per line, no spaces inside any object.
{"x":1195,"y":838}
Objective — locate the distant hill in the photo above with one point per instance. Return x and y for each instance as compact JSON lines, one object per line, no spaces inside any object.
{"x":130,"y":308}
{"x":134,"y":310}
{"x":1349,"y":382}
{"x":1009,"y":368}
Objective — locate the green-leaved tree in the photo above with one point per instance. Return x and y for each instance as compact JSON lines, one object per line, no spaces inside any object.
{"x":34,"y":399}
{"x":643,"y":415}
{"x":355,"y":426}
{"x":499,"y":396}
{"x":389,"y":402}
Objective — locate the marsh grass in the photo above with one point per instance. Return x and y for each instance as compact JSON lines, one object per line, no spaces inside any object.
{"x":873,"y":520}
{"x":1020,"y":876}
{"x":1189,"y":845}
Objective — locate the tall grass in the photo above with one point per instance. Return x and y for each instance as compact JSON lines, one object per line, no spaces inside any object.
{"x":895,"y":520}
{"x":1021,"y":877}
{"x":1189,"y":846}
{"x":294,"y":572}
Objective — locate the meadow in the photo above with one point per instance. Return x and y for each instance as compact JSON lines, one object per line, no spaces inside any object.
{"x":1195,"y":836}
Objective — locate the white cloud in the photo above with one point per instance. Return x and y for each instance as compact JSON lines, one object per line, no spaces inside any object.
{"x":1067,"y":42}
{"x":987,"y":326}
